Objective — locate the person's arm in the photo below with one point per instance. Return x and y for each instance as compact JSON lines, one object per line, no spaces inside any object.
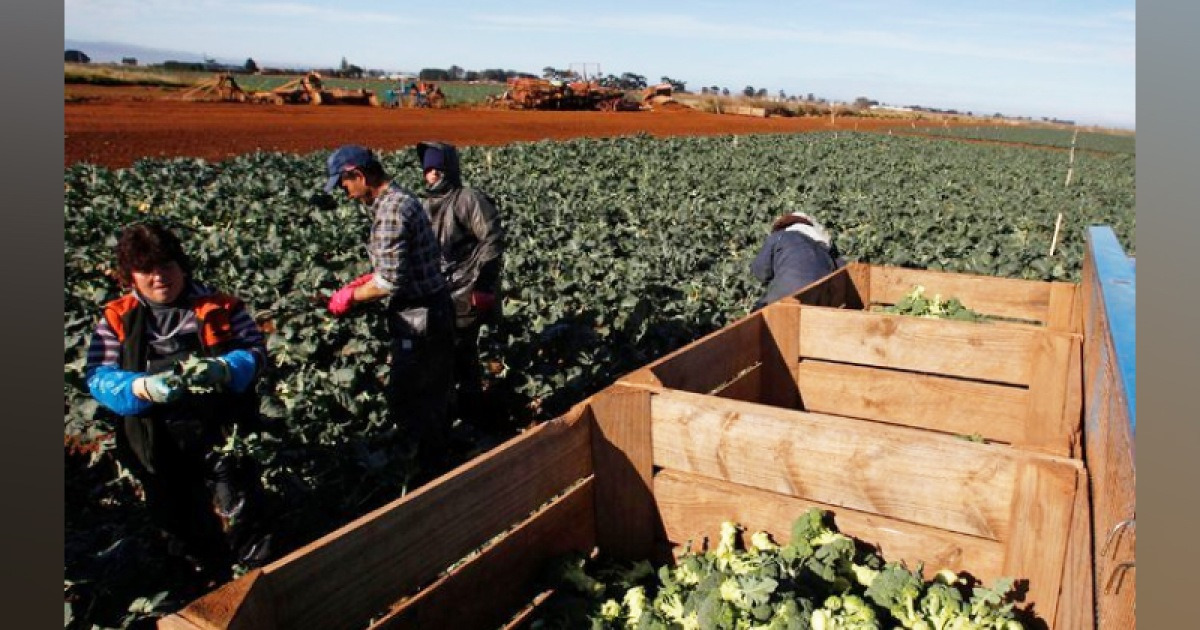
{"x":763,"y":266}
{"x":247,"y":362}
{"x":110,"y":385}
{"x":484,"y":222}
{"x":389,"y":251}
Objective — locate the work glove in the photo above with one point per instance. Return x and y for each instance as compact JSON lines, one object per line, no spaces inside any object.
{"x":210,"y":373}
{"x":482,"y":301}
{"x":159,"y":388}
{"x":361,"y":280}
{"x":341,"y":301}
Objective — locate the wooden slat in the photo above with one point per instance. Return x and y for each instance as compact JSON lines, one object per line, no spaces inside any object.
{"x":707,"y":362}
{"x":834,"y":290}
{"x":1076,"y":603}
{"x":626,"y":526}
{"x":1043,"y":506}
{"x":949,"y":348}
{"x":1004,"y":297}
{"x":947,"y":482}
{"x":243,"y":604}
{"x":860,"y":275}
{"x":1074,"y":405}
{"x":487,"y":590}
{"x":1063,"y":310}
{"x":693,"y":507}
{"x":780,"y":355}
{"x":746,"y":387}
{"x":996,"y":412}
{"x":342,"y":579}
{"x":1049,"y":425}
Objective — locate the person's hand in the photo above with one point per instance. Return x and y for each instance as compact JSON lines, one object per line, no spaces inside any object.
{"x":341,"y":301}
{"x":210,"y":372}
{"x":482,"y":301}
{"x":158,"y":388}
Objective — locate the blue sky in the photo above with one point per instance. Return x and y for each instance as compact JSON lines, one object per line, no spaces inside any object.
{"x":1064,"y":59}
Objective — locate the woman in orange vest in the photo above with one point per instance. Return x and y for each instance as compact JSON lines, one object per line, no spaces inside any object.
{"x":172,"y":419}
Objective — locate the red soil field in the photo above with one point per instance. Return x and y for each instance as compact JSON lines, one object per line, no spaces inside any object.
{"x":114,"y":126}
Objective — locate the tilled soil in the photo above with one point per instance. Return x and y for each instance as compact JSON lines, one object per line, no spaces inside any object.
{"x":114,"y":126}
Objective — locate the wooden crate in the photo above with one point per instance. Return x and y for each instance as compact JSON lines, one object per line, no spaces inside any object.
{"x":796,"y":405}
{"x":1053,"y":305}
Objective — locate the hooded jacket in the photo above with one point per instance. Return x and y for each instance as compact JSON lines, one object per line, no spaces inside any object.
{"x":469,"y":229}
{"x":793,"y":258}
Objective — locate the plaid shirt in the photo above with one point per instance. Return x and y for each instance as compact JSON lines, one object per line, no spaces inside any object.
{"x":403,"y":248}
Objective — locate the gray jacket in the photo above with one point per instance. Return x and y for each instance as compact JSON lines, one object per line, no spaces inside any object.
{"x":469,"y":229}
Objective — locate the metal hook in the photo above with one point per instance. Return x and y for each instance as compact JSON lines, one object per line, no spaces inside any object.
{"x":1115,"y":534}
{"x":1117,"y":573}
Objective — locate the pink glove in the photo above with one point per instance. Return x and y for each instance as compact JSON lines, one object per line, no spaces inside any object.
{"x":361,"y":280}
{"x":482,"y":301}
{"x":341,"y":301}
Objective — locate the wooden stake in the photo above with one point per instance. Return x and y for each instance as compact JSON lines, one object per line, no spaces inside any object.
{"x":1071,"y":160}
{"x":1057,"y":227}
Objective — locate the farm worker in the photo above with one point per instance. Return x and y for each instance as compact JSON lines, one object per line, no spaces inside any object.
{"x":469,"y":229}
{"x":798,"y":252}
{"x":211,"y":506}
{"x":406,"y":262}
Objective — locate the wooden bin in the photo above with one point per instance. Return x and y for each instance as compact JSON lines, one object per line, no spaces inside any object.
{"x":791,"y":407}
{"x":1053,"y":305}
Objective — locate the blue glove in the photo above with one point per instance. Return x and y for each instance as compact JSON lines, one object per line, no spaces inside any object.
{"x":161,"y":388}
{"x":215,"y":372}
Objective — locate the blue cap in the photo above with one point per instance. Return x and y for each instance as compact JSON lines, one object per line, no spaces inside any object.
{"x":345,"y":158}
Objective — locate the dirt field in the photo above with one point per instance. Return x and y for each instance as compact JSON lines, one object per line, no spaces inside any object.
{"x":114,"y":126}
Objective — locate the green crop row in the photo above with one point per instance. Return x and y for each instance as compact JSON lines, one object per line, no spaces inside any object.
{"x":1059,"y":138}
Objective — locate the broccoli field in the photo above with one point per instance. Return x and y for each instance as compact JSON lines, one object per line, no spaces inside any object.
{"x":618,"y":251}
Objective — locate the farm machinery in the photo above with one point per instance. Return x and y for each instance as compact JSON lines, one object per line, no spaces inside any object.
{"x":527,"y":93}
{"x":311,"y":90}
{"x":307,"y":90}
{"x":224,"y":88}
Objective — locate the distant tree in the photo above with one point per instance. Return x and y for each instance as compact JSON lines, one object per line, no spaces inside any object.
{"x":76,"y":56}
{"x":128,"y":61}
{"x":631,"y":81}
{"x":704,"y":90}
{"x":345,"y":65}
{"x":714,"y":89}
{"x":456,"y":73}
{"x":761,"y":93}
{"x":748,"y":91}
{"x":782,"y":95}
{"x":677,"y":86}
{"x":353,"y":72}
{"x":724,"y":91}
{"x":434,"y":74}
{"x":809,"y":97}
{"x":250,"y":66}
{"x":863,"y":102}
{"x":471,"y":75}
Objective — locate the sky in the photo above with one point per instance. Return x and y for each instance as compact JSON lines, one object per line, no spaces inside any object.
{"x":1063,"y":59}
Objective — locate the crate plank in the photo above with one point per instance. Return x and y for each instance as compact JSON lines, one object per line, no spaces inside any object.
{"x":1064,"y":308}
{"x":693,"y":506}
{"x":996,"y":412}
{"x":947,"y":482}
{"x":746,"y":386}
{"x":1003,"y":297}
{"x":345,"y":577}
{"x":860,"y":276}
{"x":950,"y":348}
{"x":1076,"y":604}
{"x":1043,"y":505}
{"x":835,"y":290}
{"x":707,"y":362}
{"x":1050,"y":424}
{"x":780,"y":355}
{"x":473,"y":597}
{"x":623,"y":462}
